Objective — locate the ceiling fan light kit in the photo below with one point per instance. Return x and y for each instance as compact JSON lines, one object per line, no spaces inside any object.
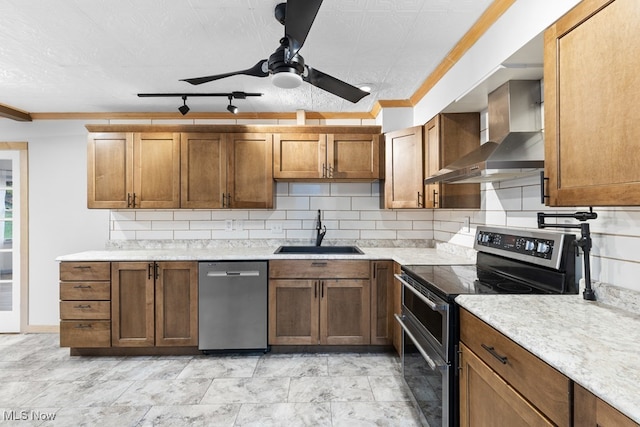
{"x":286,"y":80}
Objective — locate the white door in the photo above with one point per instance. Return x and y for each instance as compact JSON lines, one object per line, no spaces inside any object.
{"x":9,"y":241}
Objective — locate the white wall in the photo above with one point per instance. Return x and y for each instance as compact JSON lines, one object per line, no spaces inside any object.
{"x":59,"y":221}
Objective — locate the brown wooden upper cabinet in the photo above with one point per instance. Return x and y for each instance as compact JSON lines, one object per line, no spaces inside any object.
{"x":448,"y":137}
{"x":415,"y":153}
{"x":317,"y":156}
{"x":403,"y":186}
{"x":591,"y":88}
{"x":226,"y":170}
{"x":133,"y":170}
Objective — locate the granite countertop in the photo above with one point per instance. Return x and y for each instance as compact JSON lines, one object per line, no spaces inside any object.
{"x":400,"y":255}
{"x":596,"y":345}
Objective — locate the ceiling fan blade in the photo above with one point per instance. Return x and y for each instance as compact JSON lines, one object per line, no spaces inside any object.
{"x":333,"y":85}
{"x":255,"y":71}
{"x":299,"y":18}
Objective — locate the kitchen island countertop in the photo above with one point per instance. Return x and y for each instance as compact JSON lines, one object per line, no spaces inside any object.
{"x":427,"y":256}
{"x":596,"y":345}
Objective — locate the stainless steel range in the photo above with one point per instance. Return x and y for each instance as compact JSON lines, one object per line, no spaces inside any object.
{"x":508,"y":261}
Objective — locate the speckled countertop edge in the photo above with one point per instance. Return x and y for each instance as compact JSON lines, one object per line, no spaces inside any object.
{"x":596,"y":345}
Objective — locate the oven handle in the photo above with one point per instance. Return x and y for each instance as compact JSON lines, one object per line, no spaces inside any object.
{"x":432,"y":305}
{"x":433,"y":365}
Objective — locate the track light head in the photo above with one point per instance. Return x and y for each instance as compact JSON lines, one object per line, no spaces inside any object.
{"x":184,"y":108}
{"x":232,"y":108}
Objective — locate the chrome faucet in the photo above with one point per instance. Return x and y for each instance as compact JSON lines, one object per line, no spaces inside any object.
{"x":320,"y":230}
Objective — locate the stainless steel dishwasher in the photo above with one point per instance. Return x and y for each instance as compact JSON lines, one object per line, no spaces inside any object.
{"x":232,"y":305}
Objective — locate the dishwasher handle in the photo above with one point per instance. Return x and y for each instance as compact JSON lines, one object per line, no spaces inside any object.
{"x":251,"y":273}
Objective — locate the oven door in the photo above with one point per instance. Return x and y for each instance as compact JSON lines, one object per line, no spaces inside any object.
{"x":429,"y":311}
{"x":426,"y":374}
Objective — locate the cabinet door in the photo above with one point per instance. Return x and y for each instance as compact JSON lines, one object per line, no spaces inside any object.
{"x":156,"y":177}
{"x":293,"y":312}
{"x":250,"y":171}
{"x":487,"y":400}
{"x":177,"y":304}
{"x":132,"y":304}
{"x":448,"y":137}
{"x":299,"y":155}
{"x":403,"y":186}
{"x":591,"y":86}
{"x":344,"y":312}
{"x":203,"y":181}
{"x":382,"y":319}
{"x":590,"y":411}
{"x":397,"y":309}
{"x":354,"y":156}
{"x":110,"y":170}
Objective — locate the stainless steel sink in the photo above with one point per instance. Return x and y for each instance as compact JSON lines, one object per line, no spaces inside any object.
{"x":319,"y":250}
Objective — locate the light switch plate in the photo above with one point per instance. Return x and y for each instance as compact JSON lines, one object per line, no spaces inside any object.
{"x":276,"y":228}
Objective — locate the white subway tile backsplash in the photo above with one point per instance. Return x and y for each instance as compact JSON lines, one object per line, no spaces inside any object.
{"x":365,"y":203}
{"x":340,"y":215}
{"x":304,"y":215}
{"x":414,"y":234}
{"x":351,"y":189}
{"x":416,"y":214}
{"x":264,"y":215}
{"x":192,"y":234}
{"x":394,"y":225}
{"x":169,"y":225}
{"x":229,"y":235}
{"x":293,"y":203}
{"x":185,"y":215}
{"x":330,"y":203}
{"x":154,"y":235}
{"x":309,"y":189}
{"x":379,"y":215}
{"x":229,"y":214}
{"x":357,"y":225}
{"x":378,"y":234}
{"x":132,"y":225}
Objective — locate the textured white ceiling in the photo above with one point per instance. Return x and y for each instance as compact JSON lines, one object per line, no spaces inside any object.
{"x":96,"y":55}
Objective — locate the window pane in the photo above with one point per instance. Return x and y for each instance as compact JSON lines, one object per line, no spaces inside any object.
{"x":6,"y":296}
{"x":6,"y":266}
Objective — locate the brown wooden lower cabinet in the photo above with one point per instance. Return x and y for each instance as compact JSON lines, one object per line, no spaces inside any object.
{"x":397,"y":309}
{"x":308,"y":305}
{"x":382,"y":302}
{"x":501,"y":380}
{"x":154,"y":304}
{"x":591,"y":411}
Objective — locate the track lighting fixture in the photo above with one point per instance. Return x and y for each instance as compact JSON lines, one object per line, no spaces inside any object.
{"x":184,"y":109}
{"x":232,"y":108}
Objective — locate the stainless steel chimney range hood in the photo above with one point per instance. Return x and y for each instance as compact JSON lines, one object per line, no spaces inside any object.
{"x":516,"y":146}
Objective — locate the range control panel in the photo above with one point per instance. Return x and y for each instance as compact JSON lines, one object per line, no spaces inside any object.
{"x":542,"y":248}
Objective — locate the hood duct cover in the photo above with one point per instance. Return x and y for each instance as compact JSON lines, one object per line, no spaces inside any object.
{"x":516,"y":147}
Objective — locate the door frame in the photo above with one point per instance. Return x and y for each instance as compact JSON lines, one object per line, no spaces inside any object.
{"x":23,"y":158}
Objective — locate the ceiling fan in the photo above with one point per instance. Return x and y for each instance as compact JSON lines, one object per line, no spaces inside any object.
{"x":286,"y":65}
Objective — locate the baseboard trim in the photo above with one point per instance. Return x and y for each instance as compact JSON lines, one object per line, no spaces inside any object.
{"x":42,"y":329}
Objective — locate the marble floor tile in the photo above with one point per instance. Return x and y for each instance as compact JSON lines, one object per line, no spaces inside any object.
{"x":16,"y":393}
{"x":105,"y":416}
{"x":136,"y":369}
{"x":302,"y":389}
{"x":294,"y":366}
{"x":361,"y":414}
{"x":79,"y":393}
{"x":390,"y":388}
{"x":220,"y":367}
{"x":284,"y":415}
{"x":364,"y":365}
{"x":247,"y":390}
{"x":191,"y":416}
{"x":328,"y":389}
{"x":164,"y":392}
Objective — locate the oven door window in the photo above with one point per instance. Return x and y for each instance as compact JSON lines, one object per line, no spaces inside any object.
{"x":430,"y":385}
{"x":433,"y":321}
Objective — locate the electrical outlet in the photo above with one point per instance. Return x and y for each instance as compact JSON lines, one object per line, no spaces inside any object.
{"x":467,"y":224}
{"x":276,"y":228}
{"x":239,"y":225}
{"x":228,"y":225}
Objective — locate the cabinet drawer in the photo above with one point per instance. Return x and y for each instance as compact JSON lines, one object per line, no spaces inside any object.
{"x":319,"y":269}
{"x":85,"y":291}
{"x":538,"y":382}
{"x":85,"y":271}
{"x":91,"y":333}
{"x":94,"y":310}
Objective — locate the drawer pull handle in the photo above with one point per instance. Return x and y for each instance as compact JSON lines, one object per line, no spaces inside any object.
{"x":319,"y":264}
{"x":84,"y":326}
{"x":82,"y":287}
{"x":82,"y":306}
{"x":83,"y":267}
{"x":492,"y":351}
